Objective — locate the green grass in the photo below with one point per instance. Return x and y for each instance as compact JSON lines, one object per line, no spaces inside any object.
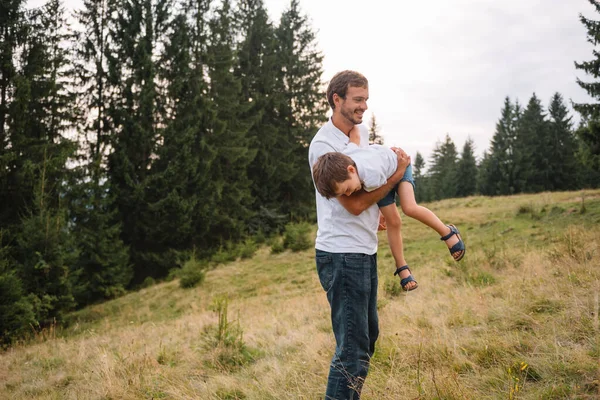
{"x":516,"y":319}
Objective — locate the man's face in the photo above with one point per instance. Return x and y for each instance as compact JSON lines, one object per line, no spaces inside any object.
{"x":354,"y":105}
{"x":350,"y":185}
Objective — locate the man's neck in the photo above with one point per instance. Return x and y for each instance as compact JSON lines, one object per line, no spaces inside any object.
{"x":341,"y":123}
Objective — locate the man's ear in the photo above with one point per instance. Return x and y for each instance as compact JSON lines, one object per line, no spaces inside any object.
{"x":336,"y":99}
{"x":351,"y":169}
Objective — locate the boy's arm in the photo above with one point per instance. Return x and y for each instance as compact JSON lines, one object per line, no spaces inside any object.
{"x":361,"y":200}
{"x":354,"y":135}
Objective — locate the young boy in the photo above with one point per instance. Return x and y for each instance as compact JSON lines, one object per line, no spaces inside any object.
{"x":337,"y":174}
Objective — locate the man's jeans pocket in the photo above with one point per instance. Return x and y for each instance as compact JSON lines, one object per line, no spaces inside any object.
{"x":325,"y":270}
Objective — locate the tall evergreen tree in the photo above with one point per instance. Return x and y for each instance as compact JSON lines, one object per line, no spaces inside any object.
{"x":420,"y":179}
{"x":562,"y":146}
{"x":40,"y":115}
{"x":16,"y":311}
{"x":590,"y":111}
{"x":501,"y":164}
{"x":229,"y":131}
{"x":138,"y":32}
{"x":532,"y":149}
{"x":13,"y":197}
{"x":258,"y":72}
{"x":102,"y":269}
{"x":443,"y":170}
{"x":300,"y":108}
{"x":588,"y":153}
{"x":182,"y":196}
{"x":485,"y":185}
{"x":374,"y":136}
{"x":466,"y":173}
{"x":589,"y":132}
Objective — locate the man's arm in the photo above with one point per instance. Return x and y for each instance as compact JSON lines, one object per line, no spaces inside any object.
{"x":361,"y":200}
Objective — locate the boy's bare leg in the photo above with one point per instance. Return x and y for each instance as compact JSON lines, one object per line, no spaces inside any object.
{"x":394,"y":234}
{"x":422,"y":214}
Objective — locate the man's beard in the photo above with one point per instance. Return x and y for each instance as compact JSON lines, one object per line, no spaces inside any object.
{"x":349,"y":115}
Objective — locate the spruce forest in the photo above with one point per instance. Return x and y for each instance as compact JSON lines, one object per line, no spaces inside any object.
{"x":138,"y":135}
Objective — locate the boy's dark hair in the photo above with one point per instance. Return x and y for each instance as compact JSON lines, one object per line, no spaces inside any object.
{"x":329,"y":170}
{"x":342,"y":81}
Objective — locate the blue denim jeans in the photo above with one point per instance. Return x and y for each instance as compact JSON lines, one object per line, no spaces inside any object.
{"x":350,"y":280}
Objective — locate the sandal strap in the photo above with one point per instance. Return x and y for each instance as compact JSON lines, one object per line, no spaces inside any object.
{"x":400,"y":269}
{"x":457,"y":247}
{"x":453,"y":231}
{"x":407,"y":280}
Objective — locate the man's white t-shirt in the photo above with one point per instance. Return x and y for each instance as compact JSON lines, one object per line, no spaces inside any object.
{"x":338,"y":230}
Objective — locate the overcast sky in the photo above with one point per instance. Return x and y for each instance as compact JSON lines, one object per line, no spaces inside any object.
{"x":439,"y":66}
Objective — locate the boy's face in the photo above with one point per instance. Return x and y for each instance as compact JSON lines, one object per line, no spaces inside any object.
{"x":350,"y":185}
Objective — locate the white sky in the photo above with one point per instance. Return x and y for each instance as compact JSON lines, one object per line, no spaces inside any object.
{"x":439,"y":66}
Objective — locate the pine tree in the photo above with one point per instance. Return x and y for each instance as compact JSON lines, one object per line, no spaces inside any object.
{"x":44,"y":246}
{"x":102,"y":269}
{"x":374,"y":136}
{"x":258,"y":72}
{"x":501,"y":163}
{"x":485,"y":185}
{"x":16,"y":309}
{"x":228,"y":136}
{"x":562,"y":146}
{"x":444,"y":169}
{"x":420,"y":178}
{"x":466,"y":173}
{"x":138,"y":32}
{"x":589,"y":133}
{"x":590,"y":111}
{"x":12,"y":194}
{"x":587,"y":153}
{"x":300,"y":108}
{"x":532,"y":149}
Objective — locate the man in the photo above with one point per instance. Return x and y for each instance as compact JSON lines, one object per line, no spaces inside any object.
{"x":346,"y":244}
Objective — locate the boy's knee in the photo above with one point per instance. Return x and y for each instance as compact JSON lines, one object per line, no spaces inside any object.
{"x":409,"y":211}
{"x":393,"y":221}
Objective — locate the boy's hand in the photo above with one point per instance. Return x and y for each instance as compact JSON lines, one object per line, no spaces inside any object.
{"x":382,"y":225}
{"x":354,"y":135}
{"x":403,"y":158}
{"x":403,"y":162}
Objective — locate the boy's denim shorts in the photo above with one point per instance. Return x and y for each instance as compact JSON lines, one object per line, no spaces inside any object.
{"x":390,"y":198}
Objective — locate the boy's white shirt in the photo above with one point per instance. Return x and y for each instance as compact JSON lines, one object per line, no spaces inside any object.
{"x":374,"y":163}
{"x":338,"y":230}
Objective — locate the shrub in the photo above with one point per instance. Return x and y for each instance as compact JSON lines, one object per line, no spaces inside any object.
{"x":225,"y":254}
{"x":296,"y":237}
{"x":16,"y":311}
{"x":192,"y":274}
{"x":224,"y":343}
{"x":149,"y":281}
{"x":276,"y":245}
{"x":247,"y":249}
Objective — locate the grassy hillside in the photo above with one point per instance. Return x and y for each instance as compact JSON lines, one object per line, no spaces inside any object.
{"x":516,"y":319}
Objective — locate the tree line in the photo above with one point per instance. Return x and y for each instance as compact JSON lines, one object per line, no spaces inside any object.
{"x":532,"y":150}
{"x":151,"y":131}
{"x":137,"y":131}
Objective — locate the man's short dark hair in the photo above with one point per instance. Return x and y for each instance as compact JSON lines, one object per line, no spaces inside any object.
{"x":329,"y":170}
{"x":342,"y":81}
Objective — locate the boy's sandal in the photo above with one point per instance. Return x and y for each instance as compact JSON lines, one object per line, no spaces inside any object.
{"x":458,"y":246}
{"x":405,"y":281}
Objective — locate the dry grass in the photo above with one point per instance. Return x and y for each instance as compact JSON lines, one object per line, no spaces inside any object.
{"x":517,"y":319}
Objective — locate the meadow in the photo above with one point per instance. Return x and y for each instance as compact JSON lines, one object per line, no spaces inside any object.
{"x":516,"y":319}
